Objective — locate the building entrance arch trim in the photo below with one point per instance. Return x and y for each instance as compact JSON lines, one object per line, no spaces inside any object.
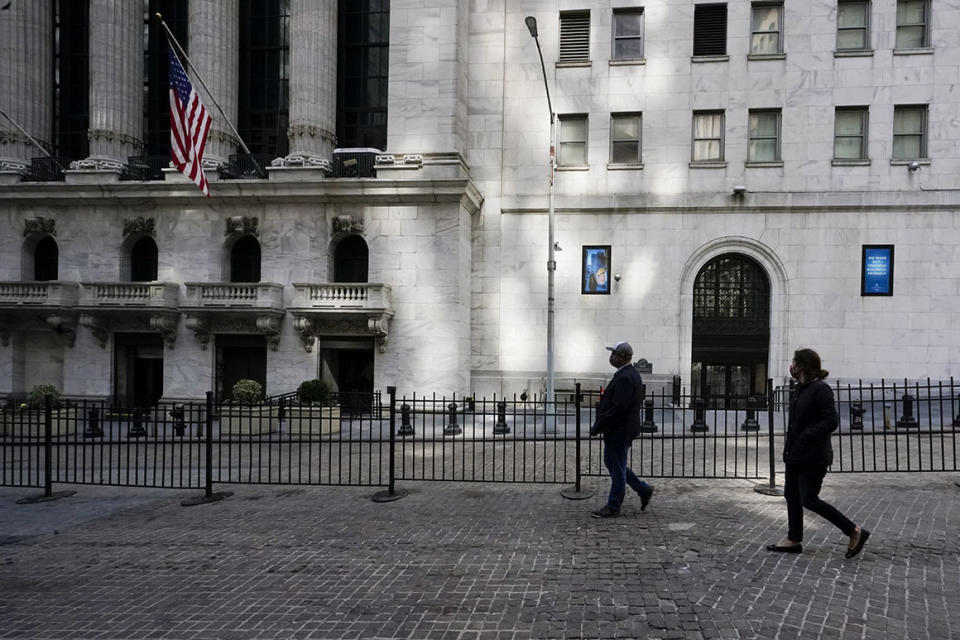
{"x":769,"y":261}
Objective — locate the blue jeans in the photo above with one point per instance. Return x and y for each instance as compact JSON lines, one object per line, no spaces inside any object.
{"x":615,"y":451}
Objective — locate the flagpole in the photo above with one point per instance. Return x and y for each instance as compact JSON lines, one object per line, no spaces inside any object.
{"x":183,"y":54}
{"x":30,"y":138}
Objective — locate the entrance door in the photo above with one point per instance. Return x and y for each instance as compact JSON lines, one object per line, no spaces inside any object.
{"x":138,"y":369}
{"x":348,"y":366}
{"x":731,"y":331}
{"x":239,"y":357}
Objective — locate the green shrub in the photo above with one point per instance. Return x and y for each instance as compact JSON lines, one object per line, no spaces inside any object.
{"x":314,"y":392}
{"x":247,"y":392}
{"x":39,"y":394}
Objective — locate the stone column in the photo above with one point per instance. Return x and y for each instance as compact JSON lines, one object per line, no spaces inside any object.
{"x":116,"y":84}
{"x":313,"y":82}
{"x":213,"y":44}
{"x":26,"y":48}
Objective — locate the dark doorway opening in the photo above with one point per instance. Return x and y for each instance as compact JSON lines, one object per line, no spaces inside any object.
{"x":46,"y":260}
{"x":239,"y":357}
{"x":138,"y":369}
{"x":143,"y":260}
{"x":731,"y":331}
{"x":348,"y":366}
{"x":245,"y":260}
{"x":351,"y":260}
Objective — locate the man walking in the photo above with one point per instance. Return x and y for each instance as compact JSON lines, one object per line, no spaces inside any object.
{"x":618,"y":420}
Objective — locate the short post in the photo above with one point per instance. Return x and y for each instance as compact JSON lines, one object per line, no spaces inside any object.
{"x":48,"y":493}
{"x":391,"y":493}
{"x":576,"y":492}
{"x":406,"y":427}
{"x":956,"y":421}
{"x":452,"y":428}
{"x":648,"y":425}
{"x":887,"y":416}
{"x":675,"y":391}
{"x":750,"y":423}
{"x":93,"y":429}
{"x":907,"y":421}
{"x":856,"y":416}
{"x":208,"y":494}
{"x":179,"y":426}
{"x":770,"y":489}
{"x":136,"y":430}
{"x":501,"y":426}
{"x":699,"y":416}
{"x":281,"y":411}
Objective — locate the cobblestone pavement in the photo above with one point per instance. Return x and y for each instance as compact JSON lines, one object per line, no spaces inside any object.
{"x":475,"y":561}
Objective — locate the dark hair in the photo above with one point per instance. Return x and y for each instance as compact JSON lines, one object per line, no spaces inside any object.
{"x":808,"y":362}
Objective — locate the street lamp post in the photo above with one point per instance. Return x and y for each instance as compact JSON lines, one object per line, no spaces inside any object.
{"x":550,"y":407}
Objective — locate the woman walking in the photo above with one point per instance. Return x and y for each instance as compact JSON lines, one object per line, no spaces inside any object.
{"x":807,"y":454}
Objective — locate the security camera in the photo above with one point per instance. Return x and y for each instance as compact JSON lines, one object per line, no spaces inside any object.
{"x":557,"y":247}
{"x":616,"y":277}
{"x":914,"y":166}
{"x":739,"y":190}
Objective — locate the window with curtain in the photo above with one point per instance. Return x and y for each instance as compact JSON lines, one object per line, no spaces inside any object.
{"x":766,"y":36}
{"x":572,"y":141}
{"x":853,"y":25}
{"x":708,"y":136}
{"x":627,"y":34}
{"x":764,"y":133}
{"x":625,"y":133}
{"x":909,"y":132}
{"x":912,"y":19}
{"x":850,"y":133}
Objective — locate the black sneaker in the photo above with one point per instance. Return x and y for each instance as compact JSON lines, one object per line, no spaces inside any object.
{"x":605,"y":512}
{"x":645,"y":498}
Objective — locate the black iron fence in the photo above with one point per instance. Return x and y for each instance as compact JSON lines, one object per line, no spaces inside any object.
{"x":362,"y":441}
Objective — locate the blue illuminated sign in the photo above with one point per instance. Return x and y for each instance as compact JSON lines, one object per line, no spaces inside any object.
{"x":876,"y":274}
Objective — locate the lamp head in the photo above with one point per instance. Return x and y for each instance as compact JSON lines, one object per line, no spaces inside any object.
{"x":531,"y":25}
{"x":913,"y":166}
{"x":739,"y":190}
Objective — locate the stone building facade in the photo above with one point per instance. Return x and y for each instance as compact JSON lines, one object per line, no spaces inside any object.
{"x":726,"y":174}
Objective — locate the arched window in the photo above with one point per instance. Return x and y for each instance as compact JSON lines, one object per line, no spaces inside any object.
{"x":245,"y":260}
{"x":350,"y":260}
{"x":731,"y":327}
{"x":46,"y":259}
{"x":143,"y":260}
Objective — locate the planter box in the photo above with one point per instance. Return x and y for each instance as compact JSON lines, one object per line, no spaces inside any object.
{"x":248,"y":420}
{"x":24,"y":423}
{"x":307,"y":420}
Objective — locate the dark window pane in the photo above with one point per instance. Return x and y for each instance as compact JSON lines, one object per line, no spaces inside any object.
{"x":46,"y":259}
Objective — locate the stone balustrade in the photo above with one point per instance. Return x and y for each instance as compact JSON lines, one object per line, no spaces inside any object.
{"x":147,"y":295}
{"x":236,"y":295}
{"x":39,"y":294}
{"x":341,"y":295}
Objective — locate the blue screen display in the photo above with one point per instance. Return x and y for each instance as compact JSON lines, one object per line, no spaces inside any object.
{"x":877,"y":270}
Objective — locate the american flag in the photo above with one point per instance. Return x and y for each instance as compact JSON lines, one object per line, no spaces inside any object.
{"x":189,"y":125}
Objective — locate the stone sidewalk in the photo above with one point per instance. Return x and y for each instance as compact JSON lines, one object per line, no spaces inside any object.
{"x":473,"y":561}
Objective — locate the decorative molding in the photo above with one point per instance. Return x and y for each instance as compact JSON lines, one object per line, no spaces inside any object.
{"x":346,"y":224}
{"x":94,"y":164}
{"x":200,"y":328}
{"x":269,"y":326}
{"x":303,"y":160}
{"x":146,"y":226}
{"x":392,"y":161}
{"x":39,"y":225}
{"x":242,"y":225}
{"x":96,"y":134}
{"x":167,"y":327}
{"x":64,"y":326}
{"x":309,"y":130}
{"x":15,"y":137}
{"x":305,"y":328}
{"x":381,"y":332}
{"x":98,"y":327}
{"x":218,"y":135}
{"x":9,"y":165}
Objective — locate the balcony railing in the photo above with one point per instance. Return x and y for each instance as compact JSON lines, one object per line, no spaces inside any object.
{"x":142,"y":295}
{"x":38,"y":294}
{"x":347,"y":296}
{"x":233,"y":295}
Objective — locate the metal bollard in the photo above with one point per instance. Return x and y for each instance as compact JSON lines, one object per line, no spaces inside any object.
{"x":501,"y":426}
{"x":648,"y":426}
{"x":856,"y":416}
{"x":907,"y":421}
{"x":452,"y":427}
{"x":179,"y":426}
{"x":699,"y":416}
{"x":406,"y":428}
{"x":956,"y":421}
{"x":887,"y":416}
{"x":136,"y":430}
{"x":93,"y":429}
{"x":675,"y":392}
{"x":750,"y":423}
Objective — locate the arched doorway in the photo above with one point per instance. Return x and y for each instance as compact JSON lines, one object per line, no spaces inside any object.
{"x":245,"y":260}
{"x":731,"y":330}
{"x":143,"y":260}
{"x":351,"y":260}
{"x":46,"y":260}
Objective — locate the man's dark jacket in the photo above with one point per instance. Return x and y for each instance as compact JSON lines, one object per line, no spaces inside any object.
{"x":619,"y":412}
{"x":813,"y":417}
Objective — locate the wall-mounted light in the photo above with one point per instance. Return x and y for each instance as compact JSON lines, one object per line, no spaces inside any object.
{"x":913,"y":166}
{"x":739,"y":189}
{"x":616,"y":277}
{"x":557,"y":247}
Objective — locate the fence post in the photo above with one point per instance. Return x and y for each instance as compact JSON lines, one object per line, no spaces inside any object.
{"x":452,"y":428}
{"x":391,"y":493}
{"x":699,"y":419}
{"x":750,"y":423}
{"x":648,"y":425}
{"x":208,"y":495}
{"x":406,"y":428}
{"x":137,"y":430}
{"x":675,"y":391}
{"x":576,"y":492}
{"x":771,"y":489}
{"x":93,"y":429}
{"x":48,"y":493}
{"x":501,"y":426}
{"x":856,"y":416}
{"x":907,"y":421}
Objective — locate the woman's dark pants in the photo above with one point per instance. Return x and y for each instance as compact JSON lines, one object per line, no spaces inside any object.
{"x":801,"y":488}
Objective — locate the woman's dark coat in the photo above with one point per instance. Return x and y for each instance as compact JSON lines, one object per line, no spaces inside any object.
{"x":813,"y":417}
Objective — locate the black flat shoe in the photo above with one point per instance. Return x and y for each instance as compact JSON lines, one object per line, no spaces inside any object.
{"x":864,"y":534}
{"x":785,"y":548}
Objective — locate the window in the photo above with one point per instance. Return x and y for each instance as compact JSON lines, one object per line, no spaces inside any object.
{"x":764,"y":143}
{"x":625,"y":138}
{"x":572,"y":147}
{"x":575,"y":36}
{"x":71,"y":96}
{"x":765,"y":28}
{"x":627,"y":34}
{"x":245,"y":260}
{"x":363,"y":65}
{"x":909,"y":132}
{"x":853,"y":25}
{"x":850,"y":133}
{"x":708,"y":136}
{"x":264,"y":108}
{"x":912,"y":24}
{"x":156,"y":89}
{"x":710,"y":30}
{"x":351,"y":260}
{"x":143,"y":260}
{"x":46,"y":260}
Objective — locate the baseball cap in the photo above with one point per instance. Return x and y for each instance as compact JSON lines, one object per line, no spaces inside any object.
{"x":623,"y":348}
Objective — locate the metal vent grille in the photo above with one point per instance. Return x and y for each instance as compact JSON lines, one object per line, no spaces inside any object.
{"x":710,"y":30}
{"x":575,"y":36}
